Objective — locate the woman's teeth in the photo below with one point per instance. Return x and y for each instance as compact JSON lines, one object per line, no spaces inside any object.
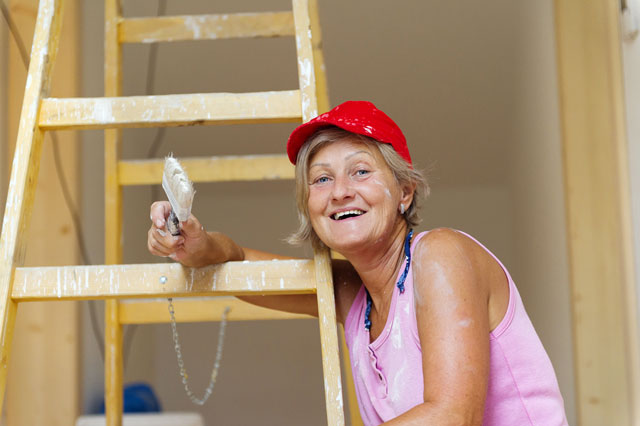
{"x":346,"y":214}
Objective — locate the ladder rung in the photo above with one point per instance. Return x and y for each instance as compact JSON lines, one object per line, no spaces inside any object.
{"x":146,"y":280}
{"x":210,"y":169}
{"x":206,"y":27}
{"x":170,"y":110}
{"x":152,"y":311}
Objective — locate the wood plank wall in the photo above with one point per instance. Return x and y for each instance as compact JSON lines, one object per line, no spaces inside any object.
{"x":598,"y":212}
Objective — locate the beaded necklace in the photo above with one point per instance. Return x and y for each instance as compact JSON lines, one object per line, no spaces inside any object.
{"x":399,"y":284}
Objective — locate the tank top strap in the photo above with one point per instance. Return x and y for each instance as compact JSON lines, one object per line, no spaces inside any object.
{"x":506,"y":272}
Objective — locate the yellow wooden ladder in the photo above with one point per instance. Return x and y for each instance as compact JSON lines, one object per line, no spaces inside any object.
{"x":115,"y":281}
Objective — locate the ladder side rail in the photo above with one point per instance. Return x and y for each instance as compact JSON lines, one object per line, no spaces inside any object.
{"x":322,"y":90}
{"x":352,"y":398}
{"x":306,"y":70}
{"x":113,"y":218}
{"x":329,"y":338}
{"x":24,"y":171}
{"x":324,"y":104}
{"x":324,"y":279}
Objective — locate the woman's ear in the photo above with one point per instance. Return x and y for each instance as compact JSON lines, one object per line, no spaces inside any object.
{"x":408,"y":191}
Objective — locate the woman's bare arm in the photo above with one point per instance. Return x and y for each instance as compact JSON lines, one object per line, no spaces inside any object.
{"x":451,"y":299}
{"x":196,"y":247}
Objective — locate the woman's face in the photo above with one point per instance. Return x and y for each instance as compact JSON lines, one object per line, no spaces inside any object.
{"x":353,"y":197}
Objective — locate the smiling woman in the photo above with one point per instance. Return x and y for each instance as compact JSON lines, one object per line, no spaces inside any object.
{"x":436,"y":330}
{"x":404,"y":174}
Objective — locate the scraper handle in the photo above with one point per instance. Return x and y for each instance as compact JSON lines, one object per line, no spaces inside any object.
{"x":173,"y":224}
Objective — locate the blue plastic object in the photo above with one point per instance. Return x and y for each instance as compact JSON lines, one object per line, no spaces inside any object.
{"x":138,"y":398}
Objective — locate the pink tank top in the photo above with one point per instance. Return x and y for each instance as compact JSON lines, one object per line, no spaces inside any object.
{"x":522,"y":389}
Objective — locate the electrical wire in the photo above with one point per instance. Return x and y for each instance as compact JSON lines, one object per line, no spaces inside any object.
{"x":13,"y":29}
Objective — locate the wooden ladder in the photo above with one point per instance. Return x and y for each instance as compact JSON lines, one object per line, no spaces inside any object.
{"x":114,"y":281}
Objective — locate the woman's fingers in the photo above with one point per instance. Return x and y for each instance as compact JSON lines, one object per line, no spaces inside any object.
{"x":161,"y":243}
{"x":188,"y":248}
{"x":156,"y":247}
{"x":159,"y":212}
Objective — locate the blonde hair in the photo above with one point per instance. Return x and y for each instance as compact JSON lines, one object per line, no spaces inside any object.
{"x":404,"y":175}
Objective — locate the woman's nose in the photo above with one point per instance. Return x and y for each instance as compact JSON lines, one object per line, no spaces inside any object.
{"x":342,"y":188}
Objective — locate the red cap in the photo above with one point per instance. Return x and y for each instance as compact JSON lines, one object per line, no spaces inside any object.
{"x":359,"y":117}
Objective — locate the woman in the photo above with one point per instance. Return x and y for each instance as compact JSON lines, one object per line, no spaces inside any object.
{"x":436,"y":330}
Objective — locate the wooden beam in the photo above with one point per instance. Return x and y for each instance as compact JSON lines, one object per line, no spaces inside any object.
{"x":206,"y":27}
{"x":4,"y":114}
{"x":306,"y":68}
{"x":352,"y":398}
{"x":24,"y":172}
{"x":598,"y":212}
{"x":324,"y":279}
{"x":162,"y":280}
{"x":212,"y":169}
{"x":47,"y":336}
{"x":170,"y":110}
{"x":113,"y":359}
{"x":322,"y":89}
{"x":152,"y":311}
{"x":329,"y":338}
{"x":114,"y":364}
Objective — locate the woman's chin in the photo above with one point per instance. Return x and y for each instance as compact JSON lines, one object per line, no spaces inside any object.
{"x":349,"y":242}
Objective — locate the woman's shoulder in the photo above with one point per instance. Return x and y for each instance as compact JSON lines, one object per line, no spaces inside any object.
{"x":448,"y":251}
{"x":443,"y":239}
{"x":465,"y":265}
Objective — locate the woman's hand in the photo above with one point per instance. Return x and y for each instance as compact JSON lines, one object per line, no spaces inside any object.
{"x":194,"y":247}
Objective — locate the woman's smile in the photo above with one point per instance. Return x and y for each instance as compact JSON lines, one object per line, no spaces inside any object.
{"x":347,"y":214}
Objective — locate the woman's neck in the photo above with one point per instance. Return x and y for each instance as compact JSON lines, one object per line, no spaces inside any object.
{"x":378,"y":266}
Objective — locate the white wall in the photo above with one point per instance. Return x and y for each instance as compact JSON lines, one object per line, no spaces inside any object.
{"x":473,"y":87}
{"x":539,"y":232}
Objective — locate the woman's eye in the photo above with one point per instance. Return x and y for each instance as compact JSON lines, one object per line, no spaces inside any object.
{"x":362,"y":172}
{"x":321,"y":179}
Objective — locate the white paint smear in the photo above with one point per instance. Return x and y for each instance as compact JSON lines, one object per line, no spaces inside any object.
{"x":102,"y":112}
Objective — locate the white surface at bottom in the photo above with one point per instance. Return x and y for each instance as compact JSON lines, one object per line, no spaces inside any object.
{"x":155,"y":419}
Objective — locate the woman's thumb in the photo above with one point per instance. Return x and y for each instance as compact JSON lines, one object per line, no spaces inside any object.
{"x":191,"y":227}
